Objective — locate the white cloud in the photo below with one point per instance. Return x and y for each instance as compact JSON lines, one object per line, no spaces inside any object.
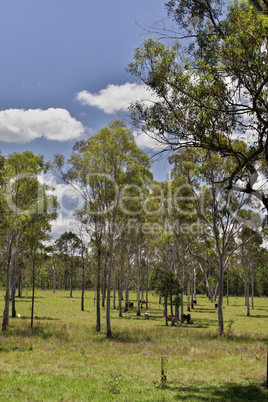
{"x":115,"y":97}
{"x":149,"y":141}
{"x":19,"y":125}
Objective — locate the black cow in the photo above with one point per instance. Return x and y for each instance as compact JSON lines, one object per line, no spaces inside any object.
{"x":187,"y":317}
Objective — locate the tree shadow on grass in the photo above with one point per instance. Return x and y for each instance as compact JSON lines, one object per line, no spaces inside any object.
{"x":24,"y":317}
{"x":226,"y":392}
{"x":39,"y":331}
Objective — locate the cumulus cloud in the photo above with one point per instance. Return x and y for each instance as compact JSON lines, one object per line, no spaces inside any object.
{"x":115,"y":98}
{"x":148,"y":141}
{"x":22,"y":126}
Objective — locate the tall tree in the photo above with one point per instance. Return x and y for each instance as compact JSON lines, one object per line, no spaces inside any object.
{"x":210,"y":86}
{"x":23,"y":198}
{"x":102,"y":169}
{"x":215,"y":208}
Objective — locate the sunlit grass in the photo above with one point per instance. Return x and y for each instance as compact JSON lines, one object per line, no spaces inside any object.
{"x":64,"y":358}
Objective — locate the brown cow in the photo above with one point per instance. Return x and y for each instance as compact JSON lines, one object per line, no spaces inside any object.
{"x":174,"y":320}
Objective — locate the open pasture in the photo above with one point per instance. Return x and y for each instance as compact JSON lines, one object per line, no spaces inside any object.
{"x":63,"y":358}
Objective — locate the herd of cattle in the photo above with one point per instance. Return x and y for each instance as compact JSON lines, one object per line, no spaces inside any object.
{"x":174,"y":320}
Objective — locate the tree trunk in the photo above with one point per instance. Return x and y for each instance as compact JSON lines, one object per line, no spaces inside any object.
{"x":7,"y":296}
{"x":188,"y":296}
{"x":83,"y":282}
{"x":252,"y":291}
{"x":98,"y":310}
{"x":33,"y":290}
{"x":194,"y":284}
{"x":247,"y":297}
{"x":217,"y":289}
{"x":108,"y":304}
{"x":13,"y":286}
{"x":54,"y":276}
{"x":227,"y":290}
{"x":120,"y":285}
{"x":127,"y":284}
{"x":138,"y":283}
{"x":114,"y":287}
{"x":165,"y":311}
{"x":220,"y":301}
{"x":147,"y":285}
{"x":104,"y":284}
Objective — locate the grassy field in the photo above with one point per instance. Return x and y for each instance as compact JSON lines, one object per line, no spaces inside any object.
{"x":63,"y":358}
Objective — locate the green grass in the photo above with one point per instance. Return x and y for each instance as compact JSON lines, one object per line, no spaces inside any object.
{"x":63,"y":358}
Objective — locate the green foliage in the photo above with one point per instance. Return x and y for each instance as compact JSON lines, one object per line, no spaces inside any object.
{"x":210,"y":85}
{"x":166,"y":284}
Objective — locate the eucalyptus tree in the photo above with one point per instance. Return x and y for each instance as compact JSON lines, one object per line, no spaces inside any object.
{"x":221,"y":213}
{"x":70,"y":246}
{"x":209,"y":78}
{"x":102,"y":168}
{"x":24,"y":197}
{"x":248,"y":262}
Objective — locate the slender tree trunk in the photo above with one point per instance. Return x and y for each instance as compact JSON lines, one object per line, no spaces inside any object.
{"x":108,"y":304}
{"x":182,"y":292}
{"x":194,"y":284}
{"x":217,"y":290}
{"x":83,"y":282}
{"x":33,"y":290}
{"x":114,"y":287}
{"x":252,"y":291}
{"x":98,"y":310}
{"x":247,"y":297}
{"x":104,"y":282}
{"x":20,"y":285}
{"x":54,"y":276}
{"x":192,"y":294}
{"x":147,"y":285}
{"x":165,"y":311}
{"x":127,"y":284}
{"x":7,"y":296}
{"x":138,"y":283}
{"x":188,"y":296}
{"x":13,"y":285}
{"x":71,"y":279}
{"x":227,"y":289}
{"x":120,"y":286}
{"x":220,"y":300}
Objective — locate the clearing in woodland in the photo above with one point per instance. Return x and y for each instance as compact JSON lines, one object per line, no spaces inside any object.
{"x":63,"y":358}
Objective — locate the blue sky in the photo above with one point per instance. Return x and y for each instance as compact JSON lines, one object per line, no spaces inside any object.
{"x":53,"y":50}
{"x":62,"y":73}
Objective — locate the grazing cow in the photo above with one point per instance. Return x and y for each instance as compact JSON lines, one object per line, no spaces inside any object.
{"x":130,"y":304}
{"x":142,"y":302}
{"x":216,"y":305}
{"x":186,"y":317}
{"x":174,"y":320}
{"x":194,"y":301}
{"x":146,"y":316}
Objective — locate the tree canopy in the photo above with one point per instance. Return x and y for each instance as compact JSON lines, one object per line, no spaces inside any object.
{"x":210,"y":85}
